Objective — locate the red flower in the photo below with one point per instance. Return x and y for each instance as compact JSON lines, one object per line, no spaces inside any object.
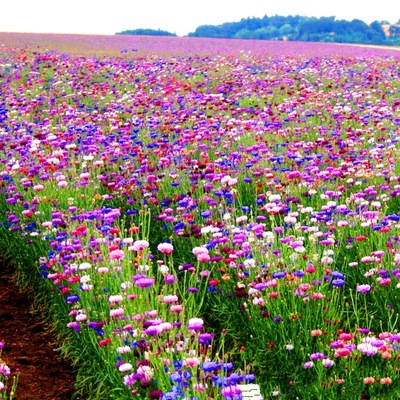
{"x":104,"y":342}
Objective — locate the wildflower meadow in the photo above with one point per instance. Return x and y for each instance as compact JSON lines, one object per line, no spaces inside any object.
{"x":201,"y":223}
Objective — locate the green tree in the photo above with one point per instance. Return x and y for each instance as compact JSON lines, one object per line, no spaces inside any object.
{"x":244,"y":34}
{"x":145,"y":31}
{"x":285,"y":30}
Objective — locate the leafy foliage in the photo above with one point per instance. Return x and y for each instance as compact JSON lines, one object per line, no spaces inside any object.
{"x":146,"y":31}
{"x":300,"y":28}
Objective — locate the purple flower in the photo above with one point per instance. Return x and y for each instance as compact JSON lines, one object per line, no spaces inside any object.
{"x":337,"y":275}
{"x":205,"y":338}
{"x":317,"y":356}
{"x":338,"y":282}
{"x":144,"y":282}
{"x":153,"y":330}
{"x":72,"y":298}
{"x":206,"y":214}
{"x":170,"y":278}
{"x":209,"y":366}
{"x":260,"y":286}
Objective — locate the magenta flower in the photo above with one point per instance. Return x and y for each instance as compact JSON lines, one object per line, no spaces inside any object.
{"x":231,"y":391}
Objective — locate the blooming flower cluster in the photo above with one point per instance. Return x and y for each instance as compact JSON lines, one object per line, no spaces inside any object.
{"x":204,"y":216}
{"x":7,"y":391}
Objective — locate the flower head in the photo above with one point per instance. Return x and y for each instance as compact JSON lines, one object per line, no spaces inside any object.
{"x":166,"y":248}
{"x":195,"y":324}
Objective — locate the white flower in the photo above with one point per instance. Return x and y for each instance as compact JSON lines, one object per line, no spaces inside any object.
{"x":84,"y":265}
{"x":116,"y":298}
{"x":85,"y":279}
{"x":125,"y":367}
{"x":123,"y":349}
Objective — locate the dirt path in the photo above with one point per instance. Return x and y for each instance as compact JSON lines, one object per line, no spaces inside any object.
{"x":29,"y":347}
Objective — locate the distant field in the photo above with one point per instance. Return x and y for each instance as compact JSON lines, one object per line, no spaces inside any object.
{"x":102,"y":45}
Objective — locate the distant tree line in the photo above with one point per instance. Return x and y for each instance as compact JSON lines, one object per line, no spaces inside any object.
{"x":299,"y":28}
{"x":146,"y":32}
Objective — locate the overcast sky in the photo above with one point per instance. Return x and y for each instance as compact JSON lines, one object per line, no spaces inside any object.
{"x":178,"y":16}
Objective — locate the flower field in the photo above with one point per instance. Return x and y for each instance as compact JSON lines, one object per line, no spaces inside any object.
{"x":198,"y":220}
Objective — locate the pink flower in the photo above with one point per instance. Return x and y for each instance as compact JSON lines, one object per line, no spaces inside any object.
{"x":304,"y":287}
{"x":369,"y":380}
{"x":62,"y":184}
{"x":342,"y":352}
{"x":346,"y":336}
{"x":116,"y":298}
{"x":165,"y":248}
{"x":117,"y":312}
{"x":363,"y":288}
{"x":383,"y":281}
{"x":316,"y":332}
{"x":139,"y":245}
{"x":191,"y":362}
{"x":353,"y":264}
{"x":199,"y":387}
{"x":84,"y":175}
{"x":317,"y":296}
{"x":176,"y":308}
{"x":258,"y":301}
{"x":116,"y":255}
{"x":171,"y":298}
{"x":151,"y":313}
{"x":199,"y":250}
{"x":203,"y":257}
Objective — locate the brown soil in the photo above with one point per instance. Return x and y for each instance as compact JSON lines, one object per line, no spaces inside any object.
{"x":30,"y":347}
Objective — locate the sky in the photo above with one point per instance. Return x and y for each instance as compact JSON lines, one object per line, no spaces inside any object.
{"x":177,"y":16}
